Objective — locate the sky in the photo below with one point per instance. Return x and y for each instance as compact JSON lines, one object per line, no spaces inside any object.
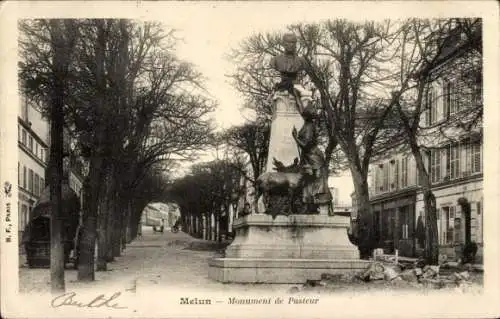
{"x":206,"y":44}
{"x":210,"y":29}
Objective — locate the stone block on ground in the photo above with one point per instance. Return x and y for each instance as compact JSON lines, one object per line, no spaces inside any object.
{"x":331,"y":277}
{"x":409,"y":275}
{"x":430,"y":271}
{"x":375,"y":271}
{"x":390,"y":273}
{"x":418,"y":272}
{"x":464,"y":275}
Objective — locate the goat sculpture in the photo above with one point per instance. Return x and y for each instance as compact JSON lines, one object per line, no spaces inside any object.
{"x":286,"y":181}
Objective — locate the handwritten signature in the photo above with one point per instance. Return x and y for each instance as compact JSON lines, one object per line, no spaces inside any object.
{"x":69,"y":299}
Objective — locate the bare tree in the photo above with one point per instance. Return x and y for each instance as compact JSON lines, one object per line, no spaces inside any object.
{"x":352,"y":67}
{"x":253,"y":139}
{"x":62,"y":36}
{"x":457,"y":45}
{"x":131,"y":105}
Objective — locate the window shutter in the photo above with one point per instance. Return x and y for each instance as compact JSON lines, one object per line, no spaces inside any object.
{"x":25,"y":177}
{"x":477,"y":158}
{"x":479,"y":213}
{"x":396,"y":173}
{"x":446,"y":99}
{"x":438,"y":102}
{"x":31,"y":181}
{"x":411,"y":168}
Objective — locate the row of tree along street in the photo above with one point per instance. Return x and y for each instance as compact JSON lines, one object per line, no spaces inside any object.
{"x":132,"y":107}
{"x":129,"y":103}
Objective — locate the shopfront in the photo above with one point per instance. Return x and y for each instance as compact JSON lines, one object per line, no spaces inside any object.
{"x":451,"y":220}
{"x":394,"y":223}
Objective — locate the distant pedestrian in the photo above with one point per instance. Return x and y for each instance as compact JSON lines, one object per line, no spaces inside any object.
{"x":139,"y":230}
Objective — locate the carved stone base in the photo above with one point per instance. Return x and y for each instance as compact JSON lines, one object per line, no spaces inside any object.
{"x":300,"y":246}
{"x":279,"y":271}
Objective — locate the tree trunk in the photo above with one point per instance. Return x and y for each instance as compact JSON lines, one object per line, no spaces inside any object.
{"x":365,"y":232}
{"x":431,"y":230}
{"x":116,"y":231}
{"x":124,"y":223}
{"x":109,"y":223}
{"x":128,"y":230}
{"x":90,"y":200}
{"x":103,"y":225}
{"x":93,"y":183}
{"x":57,"y":259}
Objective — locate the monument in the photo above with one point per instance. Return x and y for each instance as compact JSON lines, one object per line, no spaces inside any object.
{"x":297,"y":238}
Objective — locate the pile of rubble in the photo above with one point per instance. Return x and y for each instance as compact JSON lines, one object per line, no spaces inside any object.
{"x":419,"y":275}
{"x":405,"y":272}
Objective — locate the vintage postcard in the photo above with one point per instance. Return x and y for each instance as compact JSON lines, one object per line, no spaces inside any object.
{"x":249,"y":159}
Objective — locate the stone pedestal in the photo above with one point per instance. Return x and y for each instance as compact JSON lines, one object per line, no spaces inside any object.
{"x":286,"y":115}
{"x":288,"y":249}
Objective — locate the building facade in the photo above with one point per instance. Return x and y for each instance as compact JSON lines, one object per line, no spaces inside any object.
{"x":33,"y":145}
{"x":33,"y":148}
{"x":453,"y":156}
{"x":393,"y":200}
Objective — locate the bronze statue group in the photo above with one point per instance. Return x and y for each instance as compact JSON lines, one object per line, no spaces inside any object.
{"x":305,"y":182}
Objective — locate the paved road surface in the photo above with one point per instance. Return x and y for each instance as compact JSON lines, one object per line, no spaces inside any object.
{"x":156,"y":260}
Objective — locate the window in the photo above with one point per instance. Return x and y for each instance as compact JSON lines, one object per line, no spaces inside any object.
{"x":451,"y":99}
{"x":25,"y":137}
{"x":435,"y":165}
{"x":453,"y":162}
{"x":36,"y":149}
{"x":447,"y":88}
{"x":447,"y":225}
{"x":404,"y":171}
{"x":476,"y":158}
{"x":31,"y":144}
{"x":24,"y":177}
{"x":385,"y":176}
{"x":19,"y":133}
{"x":18,"y":173}
{"x":378,"y":184}
{"x":31,"y":181}
{"x":37,"y":185}
{"x":42,"y":185}
{"x":395,"y":176}
{"x":42,"y":155}
{"x":431,"y":105}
